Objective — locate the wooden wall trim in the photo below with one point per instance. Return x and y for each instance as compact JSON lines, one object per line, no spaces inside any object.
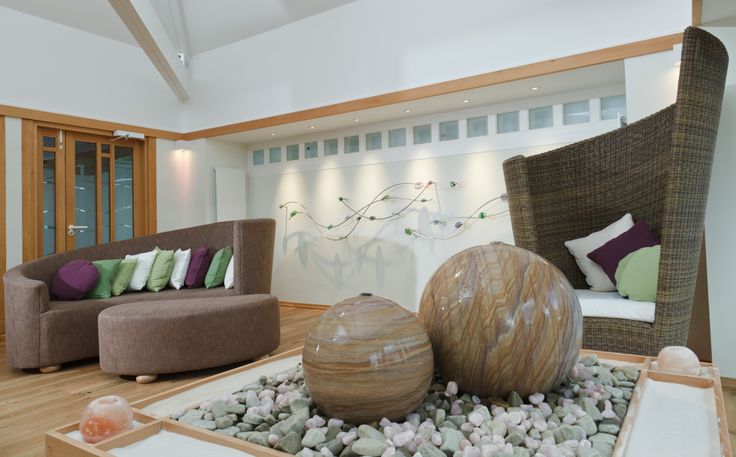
{"x":3,"y":252}
{"x":545,"y":67}
{"x":30,"y":190}
{"x":151,"y":206}
{"x":83,"y":122}
{"x":697,"y":12}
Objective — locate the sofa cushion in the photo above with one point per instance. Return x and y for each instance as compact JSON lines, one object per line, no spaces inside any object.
{"x":107,"y":270}
{"x":160,"y":271}
{"x":74,"y":280}
{"x":181,"y":265}
{"x":610,"y":254}
{"x":123,"y":276}
{"x":613,"y":305}
{"x":142,"y":269}
{"x":198,"y":267}
{"x":216,"y":273}
{"x":229,"y":282}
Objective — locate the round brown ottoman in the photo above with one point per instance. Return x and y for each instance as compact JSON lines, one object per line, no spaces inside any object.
{"x":149,"y":338}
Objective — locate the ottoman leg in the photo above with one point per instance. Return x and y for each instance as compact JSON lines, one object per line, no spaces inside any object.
{"x":50,"y":369}
{"x":146,"y":378}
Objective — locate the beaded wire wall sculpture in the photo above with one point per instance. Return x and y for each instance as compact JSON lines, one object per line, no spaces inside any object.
{"x":368,"y":212}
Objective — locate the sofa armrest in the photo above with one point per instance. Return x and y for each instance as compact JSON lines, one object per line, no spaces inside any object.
{"x":25,"y":300}
{"x":253,"y":249}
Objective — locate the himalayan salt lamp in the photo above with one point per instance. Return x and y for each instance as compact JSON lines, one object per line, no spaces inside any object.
{"x":678,"y":359}
{"x":105,"y":417}
{"x":367,"y":358}
{"x":502,"y":318}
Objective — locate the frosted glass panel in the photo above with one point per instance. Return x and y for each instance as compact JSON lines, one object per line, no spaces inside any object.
{"x":258,"y":157}
{"x":507,"y":122}
{"x":49,"y":200}
{"x":540,"y":118}
{"x":310,"y":150}
{"x":611,"y":106}
{"x":85,"y":193}
{"x":124,"y":192}
{"x":449,"y":131}
{"x":274,"y":155}
{"x":373,"y":141}
{"x":396,"y":138}
{"x":292,"y":152}
{"x":576,"y":112}
{"x":423,"y":134}
{"x":105,"y":196}
{"x":331,"y":147}
{"x":352,"y":144}
{"x":477,"y":126}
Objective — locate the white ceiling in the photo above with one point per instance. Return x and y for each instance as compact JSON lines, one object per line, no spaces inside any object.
{"x":556,"y":83}
{"x":208,"y":24}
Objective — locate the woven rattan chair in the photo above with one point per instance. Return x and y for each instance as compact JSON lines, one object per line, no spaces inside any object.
{"x":658,"y":169}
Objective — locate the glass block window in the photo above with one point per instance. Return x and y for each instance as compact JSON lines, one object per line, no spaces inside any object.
{"x":274,"y":155}
{"x":540,"y":118}
{"x":373,"y":141}
{"x":507,"y":122}
{"x":258,"y":157}
{"x":292,"y":152}
{"x":611,"y":106}
{"x":576,"y":112}
{"x":331,"y":147}
{"x":423,"y":134}
{"x":477,"y":126}
{"x":310,"y":150}
{"x":396,"y":138}
{"x":352,"y":144}
{"x":449,"y":130}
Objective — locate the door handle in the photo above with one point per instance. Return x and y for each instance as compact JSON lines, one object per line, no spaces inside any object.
{"x":72,"y":229}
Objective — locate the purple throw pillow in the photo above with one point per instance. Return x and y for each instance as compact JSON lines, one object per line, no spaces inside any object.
{"x":74,"y":280}
{"x":198,"y":266}
{"x":610,"y":254}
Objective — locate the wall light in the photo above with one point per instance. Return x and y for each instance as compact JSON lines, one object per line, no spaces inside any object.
{"x":535,"y":87}
{"x":356,"y":120}
{"x":273,"y":133}
{"x":407,"y":110}
{"x":311,"y":127}
{"x":466,"y":101}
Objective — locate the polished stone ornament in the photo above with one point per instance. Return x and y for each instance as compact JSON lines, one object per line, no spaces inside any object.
{"x":105,"y":417}
{"x":678,"y":359}
{"x":367,"y":358}
{"x":502,"y":318}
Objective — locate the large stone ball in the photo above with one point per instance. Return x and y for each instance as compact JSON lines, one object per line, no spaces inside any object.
{"x":502,"y":318}
{"x":367,"y":358}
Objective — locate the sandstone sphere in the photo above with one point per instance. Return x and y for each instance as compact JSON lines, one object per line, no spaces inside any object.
{"x":678,"y":359}
{"x":502,"y":318}
{"x":367,"y":358}
{"x":105,"y":417}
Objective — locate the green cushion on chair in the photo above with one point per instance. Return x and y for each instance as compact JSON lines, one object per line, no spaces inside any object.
{"x":636,"y":275}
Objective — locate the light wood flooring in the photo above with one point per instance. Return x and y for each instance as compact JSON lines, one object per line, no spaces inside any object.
{"x":32,"y":403}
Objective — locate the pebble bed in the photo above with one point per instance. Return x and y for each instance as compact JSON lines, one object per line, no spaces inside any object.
{"x":581,"y":418}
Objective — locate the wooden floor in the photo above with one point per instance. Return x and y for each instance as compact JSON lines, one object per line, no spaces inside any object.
{"x":32,"y":403}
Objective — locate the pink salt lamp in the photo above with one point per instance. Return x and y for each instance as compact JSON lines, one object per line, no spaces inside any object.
{"x":678,"y":359}
{"x":105,"y":417}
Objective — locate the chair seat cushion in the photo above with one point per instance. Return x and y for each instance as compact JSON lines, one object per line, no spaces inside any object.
{"x":613,"y":305}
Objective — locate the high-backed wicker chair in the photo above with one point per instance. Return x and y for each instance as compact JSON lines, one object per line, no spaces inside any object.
{"x":658,"y":169}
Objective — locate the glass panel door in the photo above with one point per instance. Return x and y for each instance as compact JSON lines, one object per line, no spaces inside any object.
{"x":123,"y":192}
{"x":82,"y":223}
{"x":52,"y":196}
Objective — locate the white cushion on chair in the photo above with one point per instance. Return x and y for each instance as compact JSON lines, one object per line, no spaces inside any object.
{"x":611,"y":304}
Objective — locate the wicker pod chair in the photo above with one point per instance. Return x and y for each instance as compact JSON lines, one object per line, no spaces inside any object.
{"x":658,"y":169}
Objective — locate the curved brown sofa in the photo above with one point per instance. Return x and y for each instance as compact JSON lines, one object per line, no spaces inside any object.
{"x":43,"y":332}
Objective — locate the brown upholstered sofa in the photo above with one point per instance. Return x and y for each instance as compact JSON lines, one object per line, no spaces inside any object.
{"x":43,"y":332}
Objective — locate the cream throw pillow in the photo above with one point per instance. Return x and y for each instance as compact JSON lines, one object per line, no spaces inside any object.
{"x":181,"y":265}
{"x":596,"y":278}
{"x":142,"y":269}
{"x":230,"y":274}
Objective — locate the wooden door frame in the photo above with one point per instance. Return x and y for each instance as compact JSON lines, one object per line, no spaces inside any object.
{"x":3,"y":221}
{"x":32,"y":196}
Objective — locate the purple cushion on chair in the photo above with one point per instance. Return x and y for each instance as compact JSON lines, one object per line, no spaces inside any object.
{"x":610,"y":254}
{"x":74,"y":280}
{"x":198,"y":266}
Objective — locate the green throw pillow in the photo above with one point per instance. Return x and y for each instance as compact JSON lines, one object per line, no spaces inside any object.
{"x":216,"y":273}
{"x":636,"y":275}
{"x":107,"y":270}
{"x":123,"y":276}
{"x":161,"y":270}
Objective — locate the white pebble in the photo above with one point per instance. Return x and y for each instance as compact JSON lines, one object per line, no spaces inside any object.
{"x":389,"y":452}
{"x":515,"y":418}
{"x":307,"y":452}
{"x":572,"y":444}
{"x":472,"y":451}
{"x":569,"y":419}
{"x":319,"y":421}
{"x":335,"y":423}
{"x":273,"y":439}
{"x":577,"y":410}
{"x":400,"y":439}
{"x":545,"y":409}
{"x":474,"y":438}
{"x":475,"y":419}
{"x":349,"y":437}
{"x":585,"y":443}
{"x":436,"y":438}
{"x":476,"y":399}
{"x":467,"y":427}
{"x":388,"y":432}
{"x":465,"y":443}
{"x":384,"y":422}
{"x":531,"y":443}
{"x":540,"y":425}
{"x":266,"y":393}
{"x":411,"y":446}
{"x":536,"y":398}
{"x":451,"y":388}
{"x":326,"y":452}
{"x":456,"y":410}
{"x":608,"y":414}
{"x":281,"y":377}
{"x":430,"y":407}
{"x":418,"y":440}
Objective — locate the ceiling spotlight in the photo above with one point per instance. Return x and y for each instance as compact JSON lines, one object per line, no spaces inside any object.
{"x":466,"y":101}
{"x":407,"y":110}
{"x":356,"y":120}
{"x":535,"y":87}
{"x":311,"y":127}
{"x":273,"y":133}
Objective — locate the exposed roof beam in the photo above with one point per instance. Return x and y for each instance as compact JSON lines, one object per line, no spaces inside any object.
{"x":143,"y":22}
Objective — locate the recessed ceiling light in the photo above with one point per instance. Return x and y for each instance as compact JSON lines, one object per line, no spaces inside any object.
{"x":356,"y":120}
{"x":311,"y":127}
{"x":466,"y":101}
{"x":407,"y":110}
{"x":273,"y":133}
{"x":535,"y":87}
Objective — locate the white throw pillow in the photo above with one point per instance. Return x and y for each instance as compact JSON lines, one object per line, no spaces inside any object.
{"x":596,"y":278}
{"x":230,"y":274}
{"x":181,"y":265}
{"x":142,"y":269}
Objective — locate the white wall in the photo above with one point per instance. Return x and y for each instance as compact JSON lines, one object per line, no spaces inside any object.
{"x":51,"y":67}
{"x":651,"y":83}
{"x":379,"y":257}
{"x":13,"y":192}
{"x":371,"y":47}
{"x":720,"y":220}
{"x":185,"y":182}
